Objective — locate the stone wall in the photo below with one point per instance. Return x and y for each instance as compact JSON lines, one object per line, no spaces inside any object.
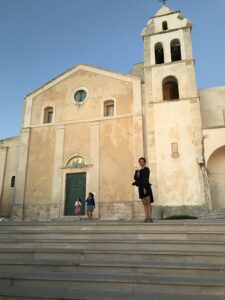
{"x":212,"y":102}
{"x":8,"y":169}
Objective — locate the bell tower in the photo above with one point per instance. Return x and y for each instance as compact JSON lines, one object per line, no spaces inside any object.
{"x":168,"y":53}
{"x":172,"y":118}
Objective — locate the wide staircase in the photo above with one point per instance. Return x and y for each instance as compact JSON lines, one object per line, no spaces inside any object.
{"x":113,"y":260}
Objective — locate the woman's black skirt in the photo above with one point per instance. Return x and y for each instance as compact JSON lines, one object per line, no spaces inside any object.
{"x":146,"y":191}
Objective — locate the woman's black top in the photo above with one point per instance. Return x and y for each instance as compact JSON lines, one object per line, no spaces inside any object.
{"x":141,"y":177}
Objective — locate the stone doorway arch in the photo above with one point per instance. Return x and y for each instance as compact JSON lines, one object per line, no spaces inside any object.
{"x":216,"y":175}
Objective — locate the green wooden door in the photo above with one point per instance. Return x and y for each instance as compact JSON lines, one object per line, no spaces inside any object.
{"x":75,"y":187}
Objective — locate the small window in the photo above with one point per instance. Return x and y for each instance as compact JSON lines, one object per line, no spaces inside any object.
{"x":48,"y":115}
{"x":109,"y":108}
{"x":164,"y":25}
{"x":170,"y":88}
{"x":159,"y":54}
{"x":175,"y":50}
{"x":13,"y":181}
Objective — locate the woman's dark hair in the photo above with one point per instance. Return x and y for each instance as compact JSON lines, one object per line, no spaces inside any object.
{"x":92,"y":195}
{"x":142,"y":158}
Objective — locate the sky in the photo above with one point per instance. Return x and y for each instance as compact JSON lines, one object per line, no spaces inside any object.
{"x":40,"y":39}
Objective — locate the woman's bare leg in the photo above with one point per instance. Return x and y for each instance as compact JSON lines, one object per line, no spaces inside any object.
{"x":145,"y":208}
{"x":149,"y":207}
{"x":150,"y":211}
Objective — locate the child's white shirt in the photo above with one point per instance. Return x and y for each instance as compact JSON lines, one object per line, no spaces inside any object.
{"x":78,"y":203}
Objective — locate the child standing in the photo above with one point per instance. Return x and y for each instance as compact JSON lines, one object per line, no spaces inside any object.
{"x":90,"y":205}
{"x":77,"y":206}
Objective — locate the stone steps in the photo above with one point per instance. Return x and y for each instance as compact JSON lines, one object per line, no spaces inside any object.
{"x":121,"y":235}
{"x":110,"y":282}
{"x":173,"y":230}
{"x":112,"y":260}
{"x":116,"y":255}
{"x":167,"y":225}
{"x":76,"y":294}
{"x":120,"y":267}
{"x":115,"y":244}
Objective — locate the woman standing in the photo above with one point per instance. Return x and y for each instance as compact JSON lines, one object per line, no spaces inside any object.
{"x":90,"y":205}
{"x":141,"y":178}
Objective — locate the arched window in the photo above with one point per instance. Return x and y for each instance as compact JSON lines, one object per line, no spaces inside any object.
{"x":109,"y":108}
{"x":175,"y":50}
{"x":164,"y":25}
{"x":48,"y":115}
{"x":170,"y":88}
{"x":13,"y":181}
{"x":159,"y":54}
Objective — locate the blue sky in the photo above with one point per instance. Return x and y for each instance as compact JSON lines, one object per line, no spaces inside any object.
{"x":42,"y":38}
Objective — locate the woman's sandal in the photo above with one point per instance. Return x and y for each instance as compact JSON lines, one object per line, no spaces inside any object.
{"x":150,"y":221}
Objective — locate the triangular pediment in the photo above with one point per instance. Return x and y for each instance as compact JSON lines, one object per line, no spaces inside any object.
{"x":83,"y":67}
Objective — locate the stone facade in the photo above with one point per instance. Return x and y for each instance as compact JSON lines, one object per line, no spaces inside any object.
{"x":8,"y":169}
{"x":98,"y":123}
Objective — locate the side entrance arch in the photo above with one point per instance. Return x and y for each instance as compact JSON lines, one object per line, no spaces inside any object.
{"x":216,"y":174}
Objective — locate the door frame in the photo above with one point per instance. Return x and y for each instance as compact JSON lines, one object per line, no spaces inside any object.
{"x":71,"y":171}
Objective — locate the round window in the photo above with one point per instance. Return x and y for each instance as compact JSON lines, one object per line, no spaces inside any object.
{"x":80,"y":96}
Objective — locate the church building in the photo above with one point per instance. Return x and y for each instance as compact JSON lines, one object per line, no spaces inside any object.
{"x":84,"y":131}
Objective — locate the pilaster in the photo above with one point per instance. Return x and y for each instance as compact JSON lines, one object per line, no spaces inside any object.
{"x":18,"y":207}
{"x":58,"y":175}
{"x":93,"y":174}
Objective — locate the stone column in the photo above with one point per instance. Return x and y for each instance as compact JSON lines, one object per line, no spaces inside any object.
{"x":19,"y":205}
{"x":56,"y":209}
{"x":167,"y":52}
{"x":3,"y":155}
{"x":93,"y":174}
